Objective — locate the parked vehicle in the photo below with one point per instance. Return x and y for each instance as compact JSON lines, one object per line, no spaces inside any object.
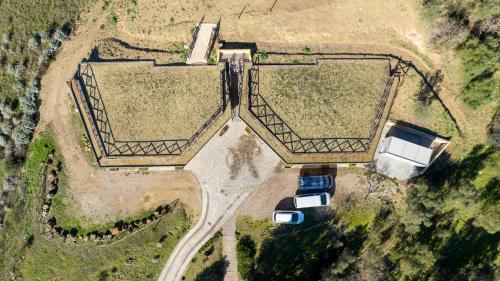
{"x":312,"y":200}
{"x":322,"y":182}
{"x":288,"y":217}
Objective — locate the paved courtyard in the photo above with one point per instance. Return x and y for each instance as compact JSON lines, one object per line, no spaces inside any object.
{"x":227,"y":168}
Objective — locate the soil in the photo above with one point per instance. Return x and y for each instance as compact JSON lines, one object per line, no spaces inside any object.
{"x":368,"y":26}
{"x":277,"y":193}
{"x":101,"y":195}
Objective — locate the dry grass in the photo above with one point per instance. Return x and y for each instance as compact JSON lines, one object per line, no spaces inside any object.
{"x":301,"y":158}
{"x":157,"y":103}
{"x":337,"y":98}
{"x":408,"y":108}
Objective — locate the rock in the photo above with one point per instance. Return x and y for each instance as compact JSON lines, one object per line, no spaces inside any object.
{"x":148,"y":221}
{"x":156,"y":214}
{"x":45,"y":207}
{"x":115,"y":231}
{"x":52,"y":186}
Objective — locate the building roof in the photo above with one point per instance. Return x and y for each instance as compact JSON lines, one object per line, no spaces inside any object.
{"x":406,"y":151}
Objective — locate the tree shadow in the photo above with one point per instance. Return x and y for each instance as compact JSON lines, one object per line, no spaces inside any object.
{"x":469,"y":248}
{"x":446,"y":170}
{"x":215,"y":272}
{"x":302,"y":252}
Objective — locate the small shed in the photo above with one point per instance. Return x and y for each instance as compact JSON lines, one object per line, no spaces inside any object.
{"x":406,"y":151}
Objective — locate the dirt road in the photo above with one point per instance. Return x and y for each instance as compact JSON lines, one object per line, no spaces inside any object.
{"x":99,"y":195}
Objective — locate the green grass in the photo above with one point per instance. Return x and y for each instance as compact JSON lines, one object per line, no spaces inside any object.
{"x":38,"y":152}
{"x":136,"y":258}
{"x":289,"y":252}
{"x":20,"y":219}
{"x":52,"y":259}
{"x":489,"y":171}
{"x":336,"y":98}
{"x":361,"y":213}
{"x":208,"y":263}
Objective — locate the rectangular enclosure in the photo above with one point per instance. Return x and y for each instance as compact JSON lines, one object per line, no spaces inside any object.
{"x":335,"y":98}
{"x":144,"y":102}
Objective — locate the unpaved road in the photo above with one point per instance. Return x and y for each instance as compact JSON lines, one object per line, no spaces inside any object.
{"x":273,"y":194}
{"x":100,"y":196}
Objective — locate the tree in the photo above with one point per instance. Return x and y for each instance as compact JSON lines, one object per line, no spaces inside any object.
{"x":245,"y":252}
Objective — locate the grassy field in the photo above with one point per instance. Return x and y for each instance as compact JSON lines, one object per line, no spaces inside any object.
{"x":407,"y":107}
{"x":208,"y":264}
{"x":138,"y":257}
{"x":157,"y":103}
{"x":32,"y":256}
{"x":333,"y":99}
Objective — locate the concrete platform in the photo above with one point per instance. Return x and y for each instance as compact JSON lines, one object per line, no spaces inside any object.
{"x":202,"y":44}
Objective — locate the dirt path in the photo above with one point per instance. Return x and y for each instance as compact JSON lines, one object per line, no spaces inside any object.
{"x":100,"y":195}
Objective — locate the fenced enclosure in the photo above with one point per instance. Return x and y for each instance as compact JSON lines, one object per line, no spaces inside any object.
{"x":326,"y":142}
{"x":102,"y":125}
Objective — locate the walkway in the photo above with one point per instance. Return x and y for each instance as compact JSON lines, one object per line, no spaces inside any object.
{"x":202,"y":43}
{"x":229,"y":249}
{"x":227,"y":168}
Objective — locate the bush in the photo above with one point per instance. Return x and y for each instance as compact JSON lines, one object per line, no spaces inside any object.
{"x":55,"y":43}
{"x":263,"y":57}
{"x":245,"y":252}
{"x":9,"y":184}
{"x":6,"y":109}
{"x":7,"y":128}
{"x":480,"y":61}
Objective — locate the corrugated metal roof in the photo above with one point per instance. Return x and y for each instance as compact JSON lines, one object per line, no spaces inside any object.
{"x":406,"y":151}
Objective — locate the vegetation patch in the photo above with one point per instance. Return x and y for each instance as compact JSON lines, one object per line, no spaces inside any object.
{"x":209,"y":263}
{"x":157,"y":103}
{"x":138,"y":257}
{"x":335,"y":98}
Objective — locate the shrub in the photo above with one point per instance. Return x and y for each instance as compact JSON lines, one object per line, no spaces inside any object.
{"x":113,"y":20}
{"x":7,"y":128}
{"x":6,"y":110}
{"x":4,"y":141}
{"x":480,"y":62}
{"x":16,"y":69}
{"x":245,"y":252}
{"x":9,"y":183}
{"x":22,"y":133}
{"x":263,"y":57}
{"x":306,"y":50}
{"x":55,"y":43}
{"x":28,"y":103}
{"x":33,"y":43}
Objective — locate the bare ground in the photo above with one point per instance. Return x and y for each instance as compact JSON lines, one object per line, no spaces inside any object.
{"x":277,"y":192}
{"x":101,"y":195}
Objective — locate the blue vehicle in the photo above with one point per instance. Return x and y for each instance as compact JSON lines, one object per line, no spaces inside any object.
{"x":322,"y":182}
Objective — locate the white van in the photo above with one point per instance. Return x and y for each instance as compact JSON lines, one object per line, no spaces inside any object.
{"x":312,"y":200}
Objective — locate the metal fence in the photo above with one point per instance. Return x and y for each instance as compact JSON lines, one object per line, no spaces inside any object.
{"x":101,"y":126}
{"x":260,"y":109}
